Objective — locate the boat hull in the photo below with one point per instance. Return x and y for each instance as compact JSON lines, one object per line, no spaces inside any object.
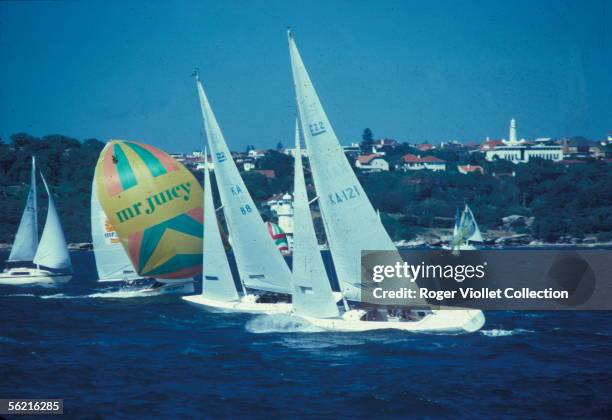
{"x":440,"y":321}
{"x":32,"y":276}
{"x":244,"y":305}
{"x":181,"y":288}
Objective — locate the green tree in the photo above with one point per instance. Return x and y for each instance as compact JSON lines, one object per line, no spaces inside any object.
{"x":367,"y":141}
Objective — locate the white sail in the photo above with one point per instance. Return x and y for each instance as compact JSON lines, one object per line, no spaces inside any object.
{"x":52,"y":250}
{"x":26,"y":239}
{"x":474,"y":234}
{"x":312,"y":294}
{"x":112,"y":262}
{"x":217,"y":280}
{"x":260,"y":264}
{"x":456,"y":227}
{"x":351,"y":223}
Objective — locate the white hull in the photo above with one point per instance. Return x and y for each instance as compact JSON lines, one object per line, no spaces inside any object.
{"x":182,"y":288}
{"x":462,"y":247}
{"x":439,"y":321}
{"x":247,"y":305}
{"x":24,"y":276}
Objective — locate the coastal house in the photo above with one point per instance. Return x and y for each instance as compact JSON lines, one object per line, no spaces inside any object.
{"x":257,"y":153}
{"x":581,"y":148}
{"x":414,"y":163}
{"x":521,"y":151}
{"x":291,"y":152}
{"x":352,"y":150}
{"x":371,"y":163}
{"x":385,"y":145}
{"x":424,"y":147}
{"x":469,"y":169}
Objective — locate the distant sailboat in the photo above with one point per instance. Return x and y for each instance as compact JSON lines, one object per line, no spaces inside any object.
{"x":352,"y":225}
{"x":51,"y":252}
{"x":261,"y":267}
{"x":465,"y":231}
{"x":218,"y":287}
{"x":113,"y":263}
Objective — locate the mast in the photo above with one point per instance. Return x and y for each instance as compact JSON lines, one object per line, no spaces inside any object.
{"x":260,"y":263}
{"x":217,"y":280}
{"x":25,"y":243}
{"x":312,"y":294}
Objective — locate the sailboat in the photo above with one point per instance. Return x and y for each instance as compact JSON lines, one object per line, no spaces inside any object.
{"x":51,"y":252}
{"x":264,"y":274}
{"x":351,"y":225}
{"x":113,"y":263}
{"x":465,"y":231}
{"x":218,"y":287}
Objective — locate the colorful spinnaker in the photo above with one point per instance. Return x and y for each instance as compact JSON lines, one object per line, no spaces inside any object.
{"x":155,"y":205}
{"x":279,"y":236}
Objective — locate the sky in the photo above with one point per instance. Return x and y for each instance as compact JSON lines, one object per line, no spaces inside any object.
{"x":410,"y":70}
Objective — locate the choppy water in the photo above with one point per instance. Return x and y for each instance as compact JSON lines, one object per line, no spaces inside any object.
{"x":110,"y":356}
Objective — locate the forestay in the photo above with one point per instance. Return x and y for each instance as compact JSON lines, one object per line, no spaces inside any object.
{"x":26,"y":239}
{"x":260,"y":264}
{"x":312,"y":294}
{"x":217,"y":280}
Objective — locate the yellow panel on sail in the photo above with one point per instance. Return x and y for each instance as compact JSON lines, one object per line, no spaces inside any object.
{"x":155,"y":205}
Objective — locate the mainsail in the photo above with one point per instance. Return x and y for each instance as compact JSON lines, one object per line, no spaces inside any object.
{"x":26,"y":239}
{"x":52,"y":250}
{"x":351,"y":222}
{"x":217,"y":280}
{"x":260,"y":264}
{"x":112,"y":262}
{"x":312,"y":294}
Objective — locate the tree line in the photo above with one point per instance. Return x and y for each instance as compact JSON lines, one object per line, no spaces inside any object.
{"x":574,"y":200}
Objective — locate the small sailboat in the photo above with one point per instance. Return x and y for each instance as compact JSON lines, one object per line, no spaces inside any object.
{"x":51,"y":253}
{"x":263,"y":272}
{"x":113,"y":263}
{"x":218,"y":287}
{"x":465,"y":231}
{"x":351,"y":225}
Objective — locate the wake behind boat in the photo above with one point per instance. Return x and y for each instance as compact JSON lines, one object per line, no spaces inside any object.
{"x":344,"y":206}
{"x":51,"y":252}
{"x":263,"y":274}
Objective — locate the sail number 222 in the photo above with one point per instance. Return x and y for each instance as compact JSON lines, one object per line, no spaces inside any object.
{"x":344,"y":195}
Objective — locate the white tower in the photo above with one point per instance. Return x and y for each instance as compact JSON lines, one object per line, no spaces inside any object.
{"x":512,"y":137}
{"x":284,"y":212}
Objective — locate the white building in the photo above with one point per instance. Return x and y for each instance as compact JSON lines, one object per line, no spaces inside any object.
{"x":372,"y":163}
{"x":283,"y":208}
{"x":291,"y":152}
{"x":521,"y":151}
{"x":415,"y":163}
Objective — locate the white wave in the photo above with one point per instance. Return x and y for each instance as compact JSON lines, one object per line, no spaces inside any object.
{"x":22,"y":294}
{"x":58,"y":296}
{"x":504,"y":333}
{"x":120,"y":294}
{"x":279,"y":323}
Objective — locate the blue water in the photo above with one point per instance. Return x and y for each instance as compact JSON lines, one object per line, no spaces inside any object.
{"x":162,"y":358}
